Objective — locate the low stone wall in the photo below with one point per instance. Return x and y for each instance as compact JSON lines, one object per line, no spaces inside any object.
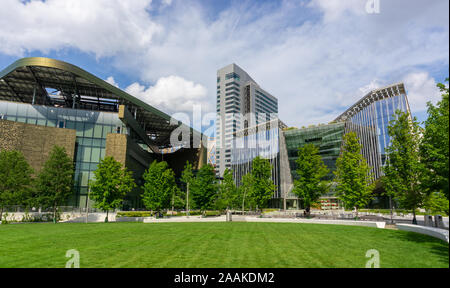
{"x":431,"y":231}
{"x":69,"y":217}
{"x":131,"y":219}
{"x":313,"y":221}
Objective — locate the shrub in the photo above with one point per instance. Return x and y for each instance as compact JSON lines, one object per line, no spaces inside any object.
{"x":213,"y":213}
{"x":135,"y":214}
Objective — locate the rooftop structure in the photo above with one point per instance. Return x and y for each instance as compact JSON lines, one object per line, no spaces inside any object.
{"x":92,"y":119}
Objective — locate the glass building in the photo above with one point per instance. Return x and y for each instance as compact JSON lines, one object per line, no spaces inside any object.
{"x":91,"y":130}
{"x":328,"y":138}
{"x":368,"y":118}
{"x":264,"y":141}
{"x":91,"y":119}
{"x":241,"y":103}
{"x":374,"y":112}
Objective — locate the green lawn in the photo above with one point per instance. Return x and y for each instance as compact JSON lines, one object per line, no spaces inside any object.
{"x":215,"y":245}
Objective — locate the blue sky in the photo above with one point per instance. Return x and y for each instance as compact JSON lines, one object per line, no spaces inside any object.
{"x":316,"y":56}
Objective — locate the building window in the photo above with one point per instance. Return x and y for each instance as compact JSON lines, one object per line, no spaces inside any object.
{"x":232,"y":76}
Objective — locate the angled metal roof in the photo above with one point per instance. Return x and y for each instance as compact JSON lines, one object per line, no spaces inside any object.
{"x":28,"y":80}
{"x":372,"y":96}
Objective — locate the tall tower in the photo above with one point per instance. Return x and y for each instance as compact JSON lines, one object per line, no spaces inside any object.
{"x":241,"y":103}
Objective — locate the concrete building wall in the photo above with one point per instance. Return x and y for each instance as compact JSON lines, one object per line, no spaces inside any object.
{"x":34,"y":141}
{"x":134,"y":158}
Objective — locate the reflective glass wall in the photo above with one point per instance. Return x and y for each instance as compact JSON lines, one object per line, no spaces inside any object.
{"x":91,"y":130}
{"x":263,"y":143}
{"x":377,"y":115}
{"x":328,"y":138}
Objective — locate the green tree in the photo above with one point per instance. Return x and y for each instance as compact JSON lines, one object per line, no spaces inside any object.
{"x":187,"y":177}
{"x":228,"y":192}
{"x":403,"y":170}
{"x":159,"y":185}
{"x":204,"y":188}
{"x":112,"y":183}
{"x":15,"y":179}
{"x":178,"y":200}
{"x":310,"y":171}
{"x":435,"y":145}
{"x":55,"y":180}
{"x":354,"y":179}
{"x":436,"y":203}
{"x":263,"y":187}
{"x":244,"y":191}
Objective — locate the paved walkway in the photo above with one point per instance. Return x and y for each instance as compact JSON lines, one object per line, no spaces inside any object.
{"x":236,"y":218}
{"x":431,"y":231}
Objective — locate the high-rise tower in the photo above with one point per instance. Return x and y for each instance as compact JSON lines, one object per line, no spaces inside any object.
{"x":241,"y":103}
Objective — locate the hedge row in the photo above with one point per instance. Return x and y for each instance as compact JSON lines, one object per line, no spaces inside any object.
{"x":150,"y":214}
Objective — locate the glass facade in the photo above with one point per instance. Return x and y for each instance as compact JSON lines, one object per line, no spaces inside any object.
{"x":377,"y":115}
{"x":91,"y":130}
{"x":328,"y":138}
{"x":252,"y":143}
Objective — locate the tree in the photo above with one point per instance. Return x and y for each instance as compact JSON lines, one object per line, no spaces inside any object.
{"x":310,"y":171}
{"x":436,"y":203}
{"x":187,"y":177}
{"x":204,"y":188}
{"x":228,"y":194}
{"x":177,"y":200}
{"x":263,"y":187}
{"x":55,"y":180}
{"x":244,"y":189}
{"x":435,"y":145}
{"x":159,"y":185}
{"x":15,"y":179}
{"x":403,"y":170}
{"x":354,"y":179}
{"x":112,"y":183}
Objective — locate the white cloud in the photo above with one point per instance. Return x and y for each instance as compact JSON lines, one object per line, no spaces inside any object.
{"x":334,"y":9}
{"x":101,"y":27}
{"x":111,"y":81}
{"x":421,"y":88}
{"x":171,"y":94}
{"x":313,"y":55}
{"x":166,"y":2}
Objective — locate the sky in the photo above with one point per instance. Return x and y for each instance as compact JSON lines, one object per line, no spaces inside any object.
{"x":318,"y":57}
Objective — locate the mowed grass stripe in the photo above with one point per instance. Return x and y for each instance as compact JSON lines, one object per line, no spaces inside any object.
{"x":234,"y":244}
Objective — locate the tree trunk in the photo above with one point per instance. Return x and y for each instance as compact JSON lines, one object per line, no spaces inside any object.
{"x":1,"y":214}
{"x":356,"y":208}
{"x":187,"y":200}
{"x":392,"y":209}
{"x":173,"y":195}
{"x":243,"y":204}
{"x":414,"y":221}
{"x":106,"y":218}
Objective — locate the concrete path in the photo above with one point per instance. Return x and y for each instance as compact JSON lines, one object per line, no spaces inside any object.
{"x":236,"y":218}
{"x":431,"y":231}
